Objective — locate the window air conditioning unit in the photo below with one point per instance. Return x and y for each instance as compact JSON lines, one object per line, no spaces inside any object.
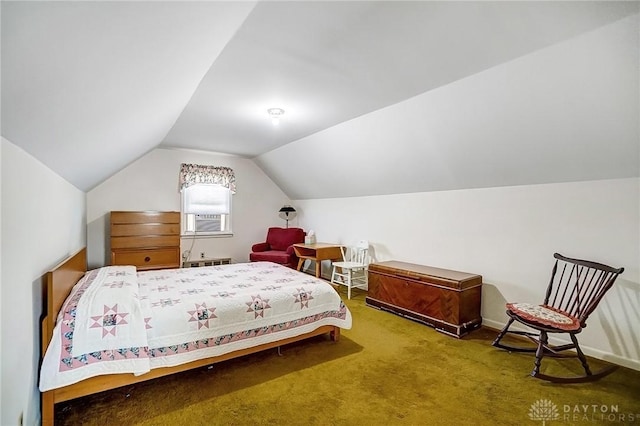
{"x":208,"y":223}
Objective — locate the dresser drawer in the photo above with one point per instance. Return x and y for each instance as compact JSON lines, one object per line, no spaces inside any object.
{"x":145,"y":242}
{"x":147,"y":259}
{"x":145,"y":217}
{"x":144,"y":229}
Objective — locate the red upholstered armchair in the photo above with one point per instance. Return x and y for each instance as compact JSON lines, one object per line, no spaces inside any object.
{"x":279,"y":247}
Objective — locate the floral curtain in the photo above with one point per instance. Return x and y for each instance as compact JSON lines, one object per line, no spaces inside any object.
{"x":195,"y":173}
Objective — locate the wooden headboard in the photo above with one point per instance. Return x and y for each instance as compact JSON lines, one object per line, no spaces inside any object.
{"x":60,"y":281}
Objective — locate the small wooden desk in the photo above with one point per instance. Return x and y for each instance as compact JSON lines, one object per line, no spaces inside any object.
{"x":317,"y":252}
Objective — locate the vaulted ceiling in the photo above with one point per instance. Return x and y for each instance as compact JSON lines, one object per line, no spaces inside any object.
{"x":88,"y":87}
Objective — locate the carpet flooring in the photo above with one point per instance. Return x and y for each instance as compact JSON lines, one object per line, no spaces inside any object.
{"x":386,"y":370}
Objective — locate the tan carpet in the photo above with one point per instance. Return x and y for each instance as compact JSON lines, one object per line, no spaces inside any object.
{"x":386,"y":370}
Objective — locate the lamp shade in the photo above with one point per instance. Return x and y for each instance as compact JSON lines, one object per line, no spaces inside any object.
{"x":287,"y":213}
{"x":287,"y":209}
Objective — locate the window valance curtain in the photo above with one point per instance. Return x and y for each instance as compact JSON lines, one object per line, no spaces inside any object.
{"x":195,"y":173}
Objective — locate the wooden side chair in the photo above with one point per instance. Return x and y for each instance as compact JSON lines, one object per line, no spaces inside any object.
{"x":575,"y":289}
{"x":352,"y":270}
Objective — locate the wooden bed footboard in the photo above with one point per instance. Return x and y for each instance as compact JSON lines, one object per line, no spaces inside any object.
{"x":59,"y":283}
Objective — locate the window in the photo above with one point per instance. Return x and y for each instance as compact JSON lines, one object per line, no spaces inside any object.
{"x":206,"y":209}
{"x":205,"y":193}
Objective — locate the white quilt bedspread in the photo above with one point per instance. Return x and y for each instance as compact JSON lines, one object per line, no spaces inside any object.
{"x":110,"y":316}
{"x":186,"y":314}
{"x":202,"y":312}
{"x":92,"y":318}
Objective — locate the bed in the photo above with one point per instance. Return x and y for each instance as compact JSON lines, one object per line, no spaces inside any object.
{"x":116,"y":326}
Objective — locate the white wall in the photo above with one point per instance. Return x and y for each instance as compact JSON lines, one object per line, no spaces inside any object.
{"x":508,"y":235}
{"x":43,"y":221}
{"x":151,"y":183}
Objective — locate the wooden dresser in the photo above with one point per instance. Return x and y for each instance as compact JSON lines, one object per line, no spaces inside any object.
{"x":147,"y":240}
{"x":444,"y":299}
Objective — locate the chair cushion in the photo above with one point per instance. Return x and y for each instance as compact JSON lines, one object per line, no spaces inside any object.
{"x":280,"y":257}
{"x":281,"y":238}
{"x":545,"y":315}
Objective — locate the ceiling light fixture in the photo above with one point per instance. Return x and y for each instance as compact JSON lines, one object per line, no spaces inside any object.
{"x":275,"y":114}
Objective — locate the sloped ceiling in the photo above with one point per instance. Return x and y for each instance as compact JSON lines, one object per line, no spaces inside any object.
{"x":566,"y":113}
{"x":88,"y":87}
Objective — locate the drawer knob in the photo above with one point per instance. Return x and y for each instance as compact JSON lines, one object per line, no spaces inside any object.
{"x":146,"y":259}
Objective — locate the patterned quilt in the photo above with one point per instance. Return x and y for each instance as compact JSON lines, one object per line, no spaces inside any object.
{"x":172,"y":316}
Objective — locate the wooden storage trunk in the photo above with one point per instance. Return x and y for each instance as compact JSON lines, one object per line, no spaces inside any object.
{"x":447,"y":300}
